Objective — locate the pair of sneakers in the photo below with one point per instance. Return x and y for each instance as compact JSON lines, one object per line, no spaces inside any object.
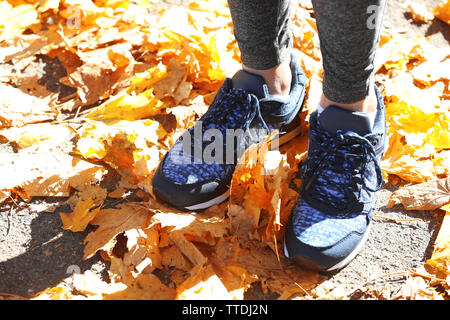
{"x":332,"y":217}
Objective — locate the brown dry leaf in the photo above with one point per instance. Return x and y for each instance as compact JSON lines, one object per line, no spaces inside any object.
{"x":136,"y":253}
{"x":130,"y":147}
{"x":260,"y":197}
{"x":248,"y":189}
{"x":19,"y":109}
{"x":187,"y":248}
{"x":144,"y":287}
{"x":176,"y":74}
{"x":235,"y":278}
{"x":304,"y":31}
{"x":428,"y":196}
{"x":419,"y":12}
{"x":90,"y":285}
{"x":328,"y":290}
{"x":21,"y":50}
{"x":111,"y":222}
{"x":396,"y":53}
{"x":440,"y":259}
{"x":204,"y":284}
{"x":93,"y":82}
{"x":409,"y":169}
{"x":145,"y":242}
{"x":46,"y":174}
{"x":38,"y":134}
{"x":172,"y":257}
{"x":198,"y":227}
{"x":417,"y":288}
{"x":117,"y":193}
{"x":261,"y":263}
{"x":101,"y":71}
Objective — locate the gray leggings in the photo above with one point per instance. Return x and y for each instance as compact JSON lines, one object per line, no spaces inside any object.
{"x":348,"y":31}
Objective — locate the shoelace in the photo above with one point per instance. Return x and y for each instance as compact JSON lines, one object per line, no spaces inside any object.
{"x":357,"y":152}
{"x":232,"y":103}
{"x":232,"y":109}
{"x":225,"y":108}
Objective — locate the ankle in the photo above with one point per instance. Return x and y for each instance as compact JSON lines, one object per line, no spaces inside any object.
{"x":368,"y":104}
{"x":278,"y":79}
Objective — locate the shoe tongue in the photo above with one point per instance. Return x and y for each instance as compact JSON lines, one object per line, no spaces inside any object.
{"x":250,"y":82}
{"x":335,"y":118}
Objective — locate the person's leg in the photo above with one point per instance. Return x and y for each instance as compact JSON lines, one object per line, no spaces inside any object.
{"x":262,"y":31}
{"x":347,"y":134}
{"x":349,"y":33}
{"x":266,"y":96}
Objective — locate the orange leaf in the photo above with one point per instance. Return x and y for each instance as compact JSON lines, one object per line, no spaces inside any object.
{"x":80,"y":217}
{"x":442,"y":11}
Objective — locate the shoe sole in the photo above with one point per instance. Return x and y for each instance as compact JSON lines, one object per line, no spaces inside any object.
{"x":278,"y":140}
{"x":310,"y":264}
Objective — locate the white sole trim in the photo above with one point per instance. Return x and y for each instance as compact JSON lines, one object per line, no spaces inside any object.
{"x":286,"y":254}
{"x":282,"y":139}
{"x":210,"y":203}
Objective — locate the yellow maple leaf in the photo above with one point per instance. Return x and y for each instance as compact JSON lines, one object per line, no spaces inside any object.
{"x":205,"y":285}
{"x":127,"y":107}
{"x":80,"y":217}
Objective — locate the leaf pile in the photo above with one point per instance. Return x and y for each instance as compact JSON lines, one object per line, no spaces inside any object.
{"x":121,"y":81}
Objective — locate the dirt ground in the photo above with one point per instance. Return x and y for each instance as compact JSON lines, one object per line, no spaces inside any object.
{"x":36,"y":253}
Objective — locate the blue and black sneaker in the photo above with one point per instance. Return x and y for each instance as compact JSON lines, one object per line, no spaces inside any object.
{"x":196,"y":172}
{"x":330,"y":222}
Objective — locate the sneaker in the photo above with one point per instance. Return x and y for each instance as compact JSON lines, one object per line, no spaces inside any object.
{"x":332,"y":217}
{"x":196,"y":172}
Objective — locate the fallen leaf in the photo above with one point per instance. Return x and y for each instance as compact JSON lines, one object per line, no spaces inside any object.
{"x":80,"y":217}
{"x":187,"y":248}
{"x":16,"y":19}
{"x":172,"y":257}
{"x":428,"y":196}
{"x":144,"y":287}
{"x":19,"y":109}
{"x":35,"y":134}
{"x":59,"y":292}
{"x":203,"y":285}
{"x":92,"y":286}
{"x":419,"y":12}
{"x":442,"y":11}
{"x":40,"y":175}
{"x":111,"y":222}
{"x":441,"y":252}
